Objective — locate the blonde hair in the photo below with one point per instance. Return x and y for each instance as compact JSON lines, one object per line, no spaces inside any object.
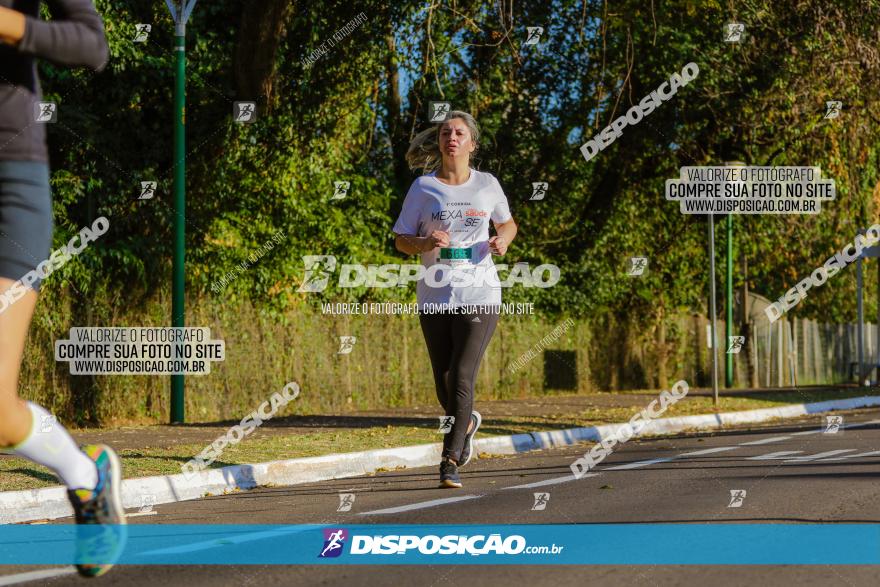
{"x":424,"y":149}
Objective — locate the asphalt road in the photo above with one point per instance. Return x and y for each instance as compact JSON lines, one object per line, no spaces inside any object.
{"x":792,"y":473}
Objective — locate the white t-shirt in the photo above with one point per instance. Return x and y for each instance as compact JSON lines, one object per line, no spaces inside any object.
{"x":464,"y":212}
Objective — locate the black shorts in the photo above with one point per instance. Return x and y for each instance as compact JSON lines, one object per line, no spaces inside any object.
{"x":25,"y":218}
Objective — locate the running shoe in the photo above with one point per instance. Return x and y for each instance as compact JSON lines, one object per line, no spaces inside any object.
{"x":101,"y":533}
{"x":468,"y":450}
{"x":449,"y":474}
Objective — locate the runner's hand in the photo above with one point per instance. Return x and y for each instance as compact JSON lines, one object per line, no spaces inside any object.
{"x":438,"y":238}
{"x":498,"y":245}
{"x":12,"y":25}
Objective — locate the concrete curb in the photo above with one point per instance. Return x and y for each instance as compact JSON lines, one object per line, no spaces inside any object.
{"x":51,"y":502}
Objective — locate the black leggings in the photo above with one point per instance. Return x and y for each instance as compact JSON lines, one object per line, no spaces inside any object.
{"x":456,"y":343}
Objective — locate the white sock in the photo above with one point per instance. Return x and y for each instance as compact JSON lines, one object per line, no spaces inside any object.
{"x":50,"y":445}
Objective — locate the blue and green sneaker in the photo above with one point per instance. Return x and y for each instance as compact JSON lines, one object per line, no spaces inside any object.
{"x":100,"y":518}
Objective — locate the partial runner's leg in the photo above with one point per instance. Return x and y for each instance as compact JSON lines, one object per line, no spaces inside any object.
{"x":26,"y":427}
{"x":437,"y":329}
{"x":15,"y":417}
{"x":471,"y":334}
{"x":25,"y":241}
{"x":93,"y":476}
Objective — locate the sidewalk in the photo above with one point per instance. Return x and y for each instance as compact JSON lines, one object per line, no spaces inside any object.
{"x":161,"y":450}
{"x":512,"y":416}
{"x":357,"y":445}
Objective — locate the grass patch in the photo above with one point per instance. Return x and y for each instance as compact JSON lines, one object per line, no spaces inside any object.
{"x":17,"y":473}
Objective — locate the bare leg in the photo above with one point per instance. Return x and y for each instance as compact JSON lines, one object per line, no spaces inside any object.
{"x":15,"y":417}
{"x":53,"y":448}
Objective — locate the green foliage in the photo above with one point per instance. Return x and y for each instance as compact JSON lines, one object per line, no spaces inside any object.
{"x":761,"y":101}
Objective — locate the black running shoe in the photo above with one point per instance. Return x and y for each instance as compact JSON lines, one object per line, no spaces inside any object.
{"x":101,"y":531}
{"x":449,"y":474}
{"x":468,"y":450}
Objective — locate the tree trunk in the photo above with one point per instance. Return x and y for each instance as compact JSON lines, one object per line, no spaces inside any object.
{"x":259,"y":34}
{"x":746,"y":328}
{"x":662,"y":353}
{"x":83,"y":388}
{"x":394,"y":122}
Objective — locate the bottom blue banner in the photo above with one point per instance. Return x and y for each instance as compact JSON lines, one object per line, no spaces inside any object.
{"x":516,"y":544}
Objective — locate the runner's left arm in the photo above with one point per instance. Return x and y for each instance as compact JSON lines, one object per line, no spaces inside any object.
{"x":505,"y":232}
{"x":505,"y":227}
{"x":75,"y":36}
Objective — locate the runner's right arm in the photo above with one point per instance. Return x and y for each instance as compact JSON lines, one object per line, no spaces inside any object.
{"x":409,"y":226}
{"x":74,"y":37}
{"x":410,"y":244}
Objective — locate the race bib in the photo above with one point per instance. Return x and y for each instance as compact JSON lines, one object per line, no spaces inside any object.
{"x":456,"y":256}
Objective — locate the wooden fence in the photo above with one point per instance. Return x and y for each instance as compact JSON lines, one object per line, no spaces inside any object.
{"x":785,"y":353}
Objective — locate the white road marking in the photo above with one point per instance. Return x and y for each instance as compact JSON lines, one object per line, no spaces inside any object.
{"x":820,"y":430}
{"x":707,"y":451}
{"x":419,"y":506}
{"x":638,"y":464}
{"x":872,"y":453}
{"x":36,"y":576}
{"x":138,"y":514}
{"x":764,"y":441}
{"x":821,"y":455}
{"x":804,"y":433}
{"x":553,"y":481}
{"x":860,"y":424}
{"x":775,"y":455}
{"x":227,"y":540}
